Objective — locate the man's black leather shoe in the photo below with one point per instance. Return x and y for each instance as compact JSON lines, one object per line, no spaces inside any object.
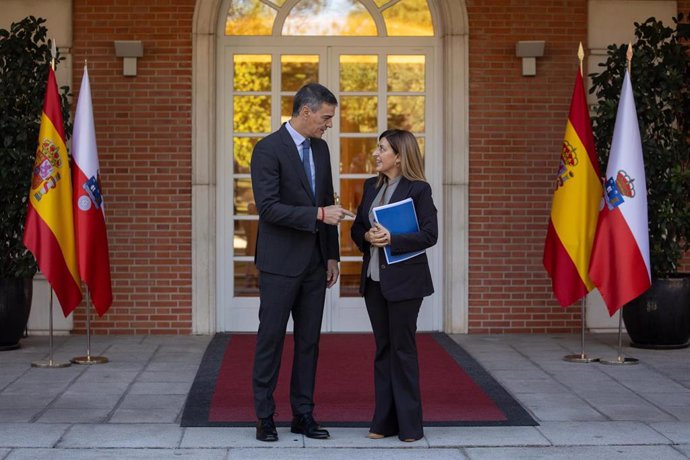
{"x":306,"y":425}
{"x":266,"y":430}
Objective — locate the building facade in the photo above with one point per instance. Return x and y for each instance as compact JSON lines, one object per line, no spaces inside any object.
{"x":216,"y":75}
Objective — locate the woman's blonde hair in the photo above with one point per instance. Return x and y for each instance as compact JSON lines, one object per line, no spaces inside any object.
{"x":405,"y":145}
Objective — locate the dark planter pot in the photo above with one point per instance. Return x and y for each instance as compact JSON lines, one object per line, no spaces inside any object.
{"x":15,"y":302}
{"x":660,"y":318}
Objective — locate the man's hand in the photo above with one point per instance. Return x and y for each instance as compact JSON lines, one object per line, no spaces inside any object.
{"x":332,"y":215}
{"x":332,"y":272}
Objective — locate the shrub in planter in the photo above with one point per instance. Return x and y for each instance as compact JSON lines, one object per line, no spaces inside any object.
{"x":24,"y":63}
{"x":660,"y":75}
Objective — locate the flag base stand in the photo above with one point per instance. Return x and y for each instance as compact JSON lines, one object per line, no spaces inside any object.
{"x":582,"y":357}
{"x":620,"y":359}
{"x":50,"y":363}
{"x":88,"y":359}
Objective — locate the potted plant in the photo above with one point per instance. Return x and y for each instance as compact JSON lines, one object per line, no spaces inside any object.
{"x":660,"y":75}
{"x":24,"y":62}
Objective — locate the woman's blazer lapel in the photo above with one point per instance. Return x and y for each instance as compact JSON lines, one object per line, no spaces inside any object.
{"x":402,"y":191}
{"x":369,"y":195}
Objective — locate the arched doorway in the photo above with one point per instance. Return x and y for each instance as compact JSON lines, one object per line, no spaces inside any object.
{"x":379,"y":97}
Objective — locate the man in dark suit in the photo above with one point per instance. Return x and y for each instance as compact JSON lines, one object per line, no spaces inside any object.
{"x":296,"y":254}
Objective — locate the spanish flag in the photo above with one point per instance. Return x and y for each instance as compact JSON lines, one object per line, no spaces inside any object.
{"x":575,"y":207}
{"x":49,"y":227}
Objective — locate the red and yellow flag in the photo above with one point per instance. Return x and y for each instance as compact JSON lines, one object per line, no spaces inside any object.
{"x":575,"y":206}
{"x":49,"y":227}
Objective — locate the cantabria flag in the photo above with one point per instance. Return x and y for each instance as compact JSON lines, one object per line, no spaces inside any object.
{"x":620,"y":257}
{"x":89,"y":204}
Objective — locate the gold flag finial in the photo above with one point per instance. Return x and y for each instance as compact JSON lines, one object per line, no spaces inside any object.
{"x":53,"y":53}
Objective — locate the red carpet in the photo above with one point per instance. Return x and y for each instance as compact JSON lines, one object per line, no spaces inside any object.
{"x":344,"y":385}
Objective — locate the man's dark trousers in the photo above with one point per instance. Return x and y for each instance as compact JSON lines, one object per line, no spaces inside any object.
{"x":280,"y":295}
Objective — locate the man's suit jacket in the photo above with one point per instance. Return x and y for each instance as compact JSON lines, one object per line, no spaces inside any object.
{"x":287,"y":207}
{"x":410,"y":278}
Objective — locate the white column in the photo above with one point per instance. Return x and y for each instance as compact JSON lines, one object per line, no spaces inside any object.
{"x":203,"y":167}
{"x":456,"y":183}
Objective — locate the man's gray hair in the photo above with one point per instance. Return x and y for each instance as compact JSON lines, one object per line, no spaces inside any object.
{"x":312,"y":95}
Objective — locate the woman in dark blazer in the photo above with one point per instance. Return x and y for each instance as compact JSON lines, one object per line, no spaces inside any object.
{"x":393,"y":293}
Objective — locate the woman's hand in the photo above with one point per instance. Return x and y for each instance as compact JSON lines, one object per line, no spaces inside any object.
{"x":378,"y":236}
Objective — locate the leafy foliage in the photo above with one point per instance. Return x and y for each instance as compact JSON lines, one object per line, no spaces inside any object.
{"x":24,"y":63}
{"x":660,"y":75}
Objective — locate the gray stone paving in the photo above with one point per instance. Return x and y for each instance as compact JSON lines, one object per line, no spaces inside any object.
{"x":131,"y":406}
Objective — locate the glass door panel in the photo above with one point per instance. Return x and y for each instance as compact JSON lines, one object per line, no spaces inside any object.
{"x":350,"y":198}
{"x":358,"y":72}
{"x":246,"y":279}
{"x":251,"y":72}
{"x":406,"y":112}
{"x":259,"y":98}
{"x":248,"y":121}
{"x":405,"y":73}
{"x":356,"y":155}
{"x":376,"y":91}
{"x":297,"y":71}
{"x":358,"y":114}
{"x":252,"y":114}
{"x":359,"y":84}
{"x":350,"y":273}
{"x":242,"y":153}
{"x":243,"y":197}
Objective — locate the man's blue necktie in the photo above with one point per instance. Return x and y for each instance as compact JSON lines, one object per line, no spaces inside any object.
{"x":307,"y":164}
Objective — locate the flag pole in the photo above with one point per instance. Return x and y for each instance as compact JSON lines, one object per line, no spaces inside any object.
{"x":88,"y":359}
{"x":53,"y":53}
{"x":50,"y":362}
{"x":582,"y":357}
{"x":620,"y":359}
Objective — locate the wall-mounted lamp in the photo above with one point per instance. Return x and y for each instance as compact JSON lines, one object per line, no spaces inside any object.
{"x":130,"y":50}
{"x":529,"y":51}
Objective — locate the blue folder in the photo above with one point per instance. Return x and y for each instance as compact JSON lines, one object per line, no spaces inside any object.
{"x":399,"y":217}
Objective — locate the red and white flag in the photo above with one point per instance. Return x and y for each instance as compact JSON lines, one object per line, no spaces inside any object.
{"x":620,"y":265}
{"x":89,"y":214}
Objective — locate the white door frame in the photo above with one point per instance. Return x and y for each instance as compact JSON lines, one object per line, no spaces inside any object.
{"x":451,"y":24}
{"x":344,"y":314}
